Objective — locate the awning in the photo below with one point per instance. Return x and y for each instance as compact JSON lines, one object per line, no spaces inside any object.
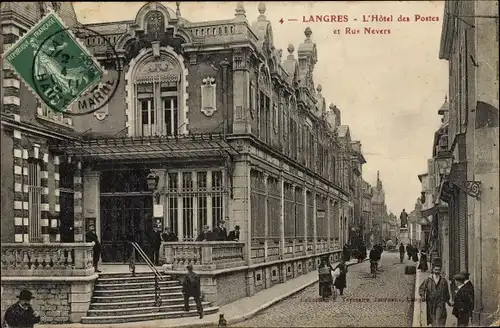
{"x":148,"y":148}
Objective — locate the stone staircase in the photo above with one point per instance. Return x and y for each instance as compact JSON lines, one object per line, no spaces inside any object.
{"x":121,"y":297}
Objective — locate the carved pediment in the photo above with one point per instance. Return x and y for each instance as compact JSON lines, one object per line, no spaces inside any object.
{"x":163,"y":69}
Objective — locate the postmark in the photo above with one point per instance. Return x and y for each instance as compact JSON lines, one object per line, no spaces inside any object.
{"x":59,"y":69}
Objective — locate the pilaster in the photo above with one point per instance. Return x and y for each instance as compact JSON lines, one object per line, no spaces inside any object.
{"x":329,"y":222}
{"x":282,"y":217}
{"x":266,"y":219}
{"x":78,"y":205}
{"x":304,"y":195}
{"x":315,"y":217}
{"x":91,"y":197}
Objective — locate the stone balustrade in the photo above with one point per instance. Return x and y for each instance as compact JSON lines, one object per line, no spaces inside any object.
{"x":47,"y":259}
{"x":206,"y":255}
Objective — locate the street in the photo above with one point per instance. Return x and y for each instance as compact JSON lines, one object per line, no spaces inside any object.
{"x":382,"y":301}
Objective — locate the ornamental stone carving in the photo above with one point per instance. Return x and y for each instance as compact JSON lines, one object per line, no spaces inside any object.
{"x":208,"y":96}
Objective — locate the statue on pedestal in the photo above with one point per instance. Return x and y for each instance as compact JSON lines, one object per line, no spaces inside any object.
{"x":404,"y":219}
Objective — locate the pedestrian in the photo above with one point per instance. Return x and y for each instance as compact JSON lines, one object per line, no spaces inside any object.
{"x":422,"y":265}
{"x":341,"y":280}
{"x":21,"y":313}
{"x":409,"y":251}
{"x":91,"y":236}
{"x":414,"y":254}
{"x":435,"y":292}
{"x":462,"y":302}
{"x":345,"y":253}
{"x":220,"y":232}
{"x":206,"y":235}
{"x":468,"y":284}
{"x":191,"y":288}
{"x":156,"y":246}
{"x":234,"y":235}
{"x":401,"y":253}
{"x":325,"y":278}
{"x":168,"y":236}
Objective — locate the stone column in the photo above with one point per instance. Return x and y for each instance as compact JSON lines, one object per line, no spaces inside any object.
{"x":78,"y":203}
{"x":180,"y":214}
{"x":266,"y":218}
{"x":329,"y":222}
{"x":241,"y":98}
{"x":304,"y":194}
{"x":315,"y":223}
{"x":282,"y":216}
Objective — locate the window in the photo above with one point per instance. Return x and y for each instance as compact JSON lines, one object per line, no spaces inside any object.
{"x":34,"y":201}
{"x":198,"y":202}
{"x":44,"y":112}
{"x":145,"y":95}
{"x":170,"y":108}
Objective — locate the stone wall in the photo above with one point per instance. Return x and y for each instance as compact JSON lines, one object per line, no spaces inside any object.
{"x":231,"y":287}
{"x":52,"y":299}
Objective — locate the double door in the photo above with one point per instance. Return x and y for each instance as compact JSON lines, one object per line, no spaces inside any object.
{"x":124,"y":217}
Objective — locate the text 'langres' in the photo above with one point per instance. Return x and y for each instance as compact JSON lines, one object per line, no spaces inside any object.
{"x":325,"y":19}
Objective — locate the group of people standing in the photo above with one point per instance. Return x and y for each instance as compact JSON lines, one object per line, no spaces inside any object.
{"x":434,"y":290}
{"x":412,"y":252}
{"x":219,"y":233}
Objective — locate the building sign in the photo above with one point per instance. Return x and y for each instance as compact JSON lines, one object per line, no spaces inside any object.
{"x":158,"y":211}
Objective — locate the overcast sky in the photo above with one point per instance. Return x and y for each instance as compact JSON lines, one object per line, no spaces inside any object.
{"x":388,"y":87}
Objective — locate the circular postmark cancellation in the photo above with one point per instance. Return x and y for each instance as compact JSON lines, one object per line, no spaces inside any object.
{"x":68,"y":79}
{"x":60,"y":70}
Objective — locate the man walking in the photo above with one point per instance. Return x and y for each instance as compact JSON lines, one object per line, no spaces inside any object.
{"x":191,"y":288}
{"x":21,"y":314}
{"x":462,"y":303}
{"x":434,"y":291}
{"x":401,"y":253}
{"x":91,"y":236}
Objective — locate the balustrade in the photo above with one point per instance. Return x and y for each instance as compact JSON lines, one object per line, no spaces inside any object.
{"x":47,"y":259}
{"x":207,"y":254}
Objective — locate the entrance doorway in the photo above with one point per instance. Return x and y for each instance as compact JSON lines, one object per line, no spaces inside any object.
{"x":67,"y":217}
{"x":124,"y":217}
{"x":126,"y":213}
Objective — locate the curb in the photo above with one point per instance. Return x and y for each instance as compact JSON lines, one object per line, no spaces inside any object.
{"x":417,"y":310}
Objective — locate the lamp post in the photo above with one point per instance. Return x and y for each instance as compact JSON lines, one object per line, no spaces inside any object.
{"x":152,"y":181}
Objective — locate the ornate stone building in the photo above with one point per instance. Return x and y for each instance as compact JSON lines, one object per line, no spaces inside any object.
{"x":209,"y":121}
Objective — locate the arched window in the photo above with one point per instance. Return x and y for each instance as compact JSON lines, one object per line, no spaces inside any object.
{"x":157,"y":85}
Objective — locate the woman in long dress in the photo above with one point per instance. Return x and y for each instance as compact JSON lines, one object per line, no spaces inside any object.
{"x":422,"y":265}
{"x":325,"y":278}
{"x":341,"y":280}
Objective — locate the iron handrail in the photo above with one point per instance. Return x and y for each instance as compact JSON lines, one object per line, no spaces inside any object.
{"x":155,"y":271}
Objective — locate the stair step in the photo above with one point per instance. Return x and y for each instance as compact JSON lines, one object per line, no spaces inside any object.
{"x":139,"y":310}
{"x":136,"y":297}
{"x":111,"y":280}
{"x":135,"y":304}
{"x":128,"y":274}
{"x":135,"y":286}
{"x":137,"y":291}
{"x":146,"y":316}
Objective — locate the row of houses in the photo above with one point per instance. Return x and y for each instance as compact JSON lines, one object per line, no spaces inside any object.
{"x":460,"y":190}
{"x":210,"y":121}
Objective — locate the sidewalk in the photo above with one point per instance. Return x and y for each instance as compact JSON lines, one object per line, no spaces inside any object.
{"x":420,"y":310}
{"x":235,"y":312}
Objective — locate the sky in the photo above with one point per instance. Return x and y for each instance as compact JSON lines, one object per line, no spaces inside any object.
{"x":388,"y":87}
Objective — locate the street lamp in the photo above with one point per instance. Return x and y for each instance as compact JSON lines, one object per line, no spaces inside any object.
{"x":152,"y":180}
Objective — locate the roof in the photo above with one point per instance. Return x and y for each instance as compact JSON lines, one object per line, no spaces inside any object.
{"x":147,"y":148}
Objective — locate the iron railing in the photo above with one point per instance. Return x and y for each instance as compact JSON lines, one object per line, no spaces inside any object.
{"x":150,"y":264}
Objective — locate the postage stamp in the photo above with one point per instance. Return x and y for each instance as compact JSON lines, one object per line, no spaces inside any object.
{"x":54,"y":64}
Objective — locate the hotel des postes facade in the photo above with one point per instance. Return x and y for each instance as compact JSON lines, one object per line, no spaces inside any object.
{"x":220,"y":123}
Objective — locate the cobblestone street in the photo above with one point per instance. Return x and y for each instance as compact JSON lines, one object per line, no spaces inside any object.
{"x":384,"y":301}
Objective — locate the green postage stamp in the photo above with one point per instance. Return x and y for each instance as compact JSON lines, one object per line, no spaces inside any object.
{"x":54,"y":64}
